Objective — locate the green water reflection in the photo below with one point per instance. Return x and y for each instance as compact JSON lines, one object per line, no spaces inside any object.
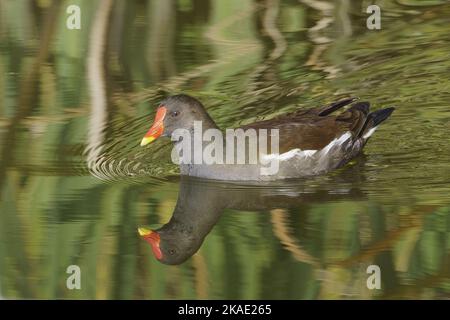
{"x":75,"y":184}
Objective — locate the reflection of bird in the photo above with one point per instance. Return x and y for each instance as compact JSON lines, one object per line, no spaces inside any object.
{"x":311,"y":142}
{"x":201,"y":203}
{"x":194,"y":216}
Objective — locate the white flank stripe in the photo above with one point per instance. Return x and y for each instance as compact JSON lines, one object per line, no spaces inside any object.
{"x":309,"y":153}
{"x":290,"y":154}
{"x":337,"y":141}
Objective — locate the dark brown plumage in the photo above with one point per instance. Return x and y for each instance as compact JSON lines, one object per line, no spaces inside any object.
{"x":315,"y":128}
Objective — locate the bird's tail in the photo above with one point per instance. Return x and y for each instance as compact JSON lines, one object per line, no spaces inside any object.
{"x":374,"y":119}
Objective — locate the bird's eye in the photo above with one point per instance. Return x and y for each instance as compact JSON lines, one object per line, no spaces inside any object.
{"x":171,"y":251}
{"x":174,"y":113}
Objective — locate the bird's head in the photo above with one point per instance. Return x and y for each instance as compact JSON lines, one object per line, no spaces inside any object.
{"x":175,"y":112}
{"x":170,"y":246}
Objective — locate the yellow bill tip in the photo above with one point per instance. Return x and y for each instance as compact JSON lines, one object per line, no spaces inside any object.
{"x":147,"y":140}
{"x":144,"y":232}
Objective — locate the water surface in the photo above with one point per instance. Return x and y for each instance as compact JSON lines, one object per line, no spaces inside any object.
{"x":75,"y":184}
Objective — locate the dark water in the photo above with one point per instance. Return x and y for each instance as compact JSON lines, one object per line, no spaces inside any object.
{"x":75,"y":185}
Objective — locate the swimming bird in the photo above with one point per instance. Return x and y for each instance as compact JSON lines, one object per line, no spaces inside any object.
{"x":310,"y":142}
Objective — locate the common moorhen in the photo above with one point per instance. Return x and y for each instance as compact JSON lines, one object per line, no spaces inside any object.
{"x":311,"y":142}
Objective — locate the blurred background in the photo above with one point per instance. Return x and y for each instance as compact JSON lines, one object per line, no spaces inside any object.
{"x":75,"y":185}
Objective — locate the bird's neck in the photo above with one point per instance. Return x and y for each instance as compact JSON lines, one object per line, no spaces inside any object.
{"x":198,"y":209}
{"x":208,"y":123}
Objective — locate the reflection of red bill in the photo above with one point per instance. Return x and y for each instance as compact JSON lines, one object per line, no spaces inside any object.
{"x":157,"y":128}
{"x":153,"y":238}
